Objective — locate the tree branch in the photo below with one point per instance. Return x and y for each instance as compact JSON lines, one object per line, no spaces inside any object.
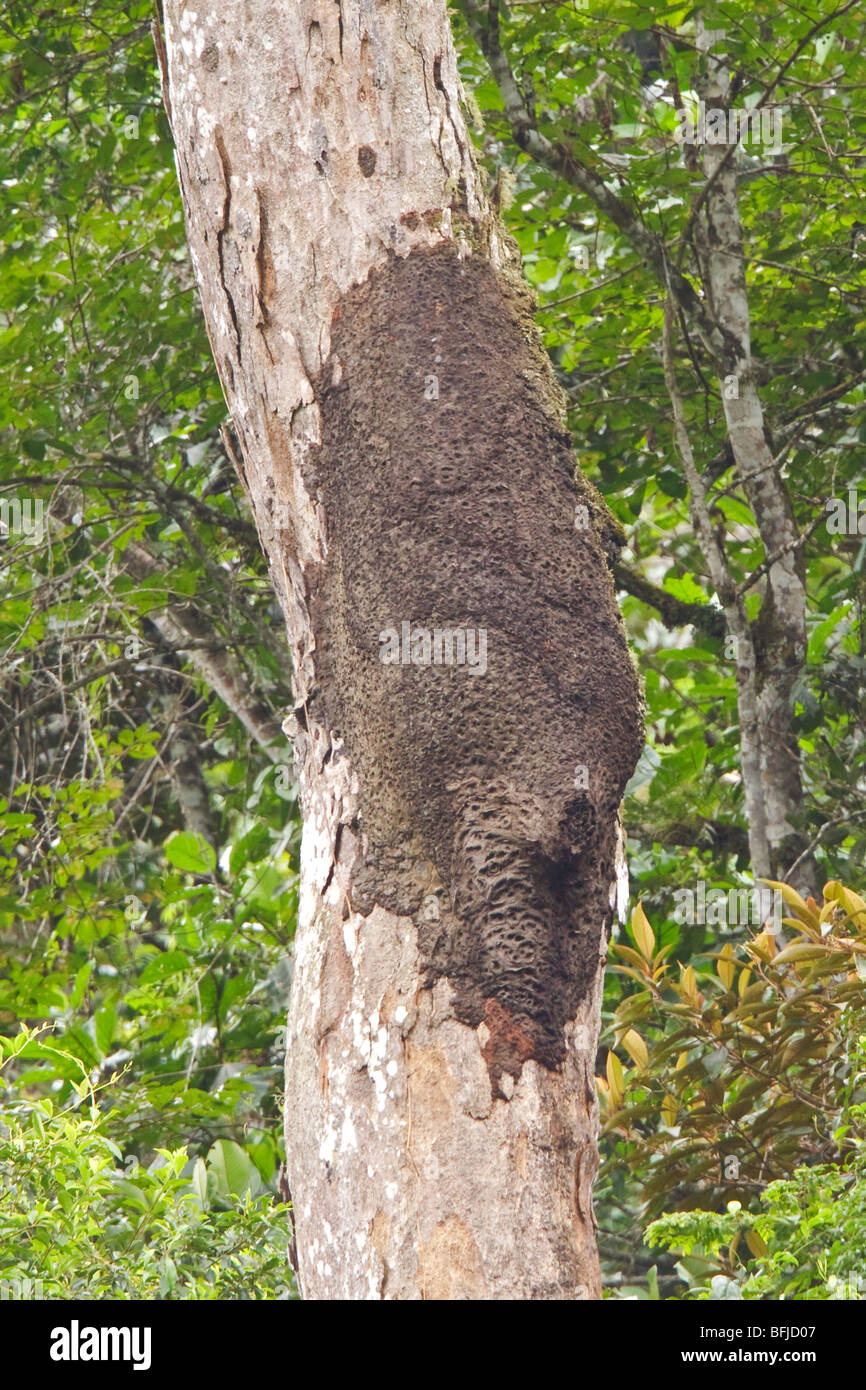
{"x":569,"y":167}
{"x":720,"y":836}
{"x":674,"y":612}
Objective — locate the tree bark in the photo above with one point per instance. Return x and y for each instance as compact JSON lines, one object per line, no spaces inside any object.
{"x":409,"y":470}
{"x":772,"y":652}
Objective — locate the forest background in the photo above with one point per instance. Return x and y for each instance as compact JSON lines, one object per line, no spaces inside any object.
{"x":150,"y":832}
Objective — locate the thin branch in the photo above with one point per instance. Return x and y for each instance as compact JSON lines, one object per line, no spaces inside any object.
{"x":814,"y":843}
{"x":569,"y":167}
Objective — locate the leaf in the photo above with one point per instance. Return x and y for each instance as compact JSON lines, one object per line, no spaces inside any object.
{"x":689,"y":985}
{"x":191,"y":852}
{"x":643,"y":933}
{"x":627,"y":953}
{"x":104,"y":1022}
{"x":793,"y":899}
{"x":799,"y":950}
{"x":828,"y":912}
{"x":234,"y":1170}
{"x":763,"y":946}
{"x":725,"y":965}
{"x":851,"y":902}
{"x":168,"y":963}
{"x":134,"y":1195}
{"x":251,"y":847}
{"x":199,"y":1183}
{"x":615,"y":1079}
{"x":635,"y":1047}
{"x":81,"y":979}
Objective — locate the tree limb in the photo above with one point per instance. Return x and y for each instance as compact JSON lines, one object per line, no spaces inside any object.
{"x":568,"y":166}
{"x":674,"y":612}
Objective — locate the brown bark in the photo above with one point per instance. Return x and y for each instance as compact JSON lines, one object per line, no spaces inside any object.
{"x":406,"y":459}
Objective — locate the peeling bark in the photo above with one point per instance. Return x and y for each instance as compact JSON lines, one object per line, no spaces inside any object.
{"x":406,"y":460}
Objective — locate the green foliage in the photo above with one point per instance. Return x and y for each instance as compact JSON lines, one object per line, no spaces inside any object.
{"x":747,"y":1065}
{"x":804,"y":1237}
{"x":149,"y":846}
{"x":169,"y":1001}
{"x":78,"y":1223}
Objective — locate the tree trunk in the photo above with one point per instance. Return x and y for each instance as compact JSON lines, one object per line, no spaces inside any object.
{"x":772,"y":656}
{"x":467,"y":712}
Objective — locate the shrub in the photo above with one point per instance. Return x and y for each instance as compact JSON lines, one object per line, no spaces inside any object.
{"x":75,"y":1223}
{"x":743,"y":1104}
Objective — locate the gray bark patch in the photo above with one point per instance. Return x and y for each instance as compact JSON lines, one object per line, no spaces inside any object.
{"x":450,"y":493}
